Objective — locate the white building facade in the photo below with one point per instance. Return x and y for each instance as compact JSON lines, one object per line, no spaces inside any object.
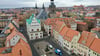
{"x":34,"y":28}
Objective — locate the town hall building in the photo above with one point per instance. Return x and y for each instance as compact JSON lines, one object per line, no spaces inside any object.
{"x":34,"y":28}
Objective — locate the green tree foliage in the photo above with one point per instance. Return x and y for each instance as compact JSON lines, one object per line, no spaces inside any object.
{"x":47,"y":49}
{"x":97,"y":14}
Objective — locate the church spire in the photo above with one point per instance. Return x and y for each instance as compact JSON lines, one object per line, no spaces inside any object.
{"x":43,"y":6}
{"x":36,"y":6}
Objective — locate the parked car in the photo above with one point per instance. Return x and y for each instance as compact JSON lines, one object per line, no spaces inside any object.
{"x":58,"y":52}
{"x":44,"y":55}
{"x":50,"y":46}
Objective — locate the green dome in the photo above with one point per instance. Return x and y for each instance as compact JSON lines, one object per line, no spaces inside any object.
{"x":29,"y":21}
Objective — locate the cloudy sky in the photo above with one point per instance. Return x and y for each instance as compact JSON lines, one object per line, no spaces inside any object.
{"x":59,"y":3}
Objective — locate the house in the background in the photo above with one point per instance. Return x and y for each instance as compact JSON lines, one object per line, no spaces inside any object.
{"x":72,"y":23}
{"x":56,"y":31}
{"x":85,"y":42}
{"x":90,"y":13}
{"x":4,"y":22}
{"x":15,"y":43}
{"x":78,"y":7}
{"x":95,"y":48}
{"x":98,"y":22}
{"x":95,"y":30}
{"x":70,"y":40}
{"x":47,"y":26}
{"x":61,"y":36}
{"x":65,"y":37}
{"x":49,"y":23}
{"x":2,"y":40}
{"x":33,"y":26}
{"x":82,"y":26}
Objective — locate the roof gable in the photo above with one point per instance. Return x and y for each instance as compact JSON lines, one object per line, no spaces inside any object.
{"x":87,"y":38}
{"x":63,"y":31}
{"x":70,"y":34}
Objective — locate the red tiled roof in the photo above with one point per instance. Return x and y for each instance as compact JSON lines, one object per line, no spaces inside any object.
{"x":91,"y":12}
{"x":78,"y":6}
{"x":87,"y":38}
{"x":13,"y":33}
{"x":58,"y":14}
{"x":90,"y":17}
{"x":64,"y":30}
{"x":96,"y":29}
{"x":58,"y":25}
{"x":51,"y":21}
{"x":21,"y":45}
{"x":83,"y":23}
{"x":96,"y":45}
{"x":70,"y":34}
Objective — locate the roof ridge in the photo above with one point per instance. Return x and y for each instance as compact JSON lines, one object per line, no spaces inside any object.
{"x":91,"y":42}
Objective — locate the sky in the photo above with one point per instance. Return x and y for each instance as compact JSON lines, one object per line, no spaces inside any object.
{"x":58,"y":3}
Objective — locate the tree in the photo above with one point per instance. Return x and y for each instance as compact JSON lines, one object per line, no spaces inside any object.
{"x":47,"y":49}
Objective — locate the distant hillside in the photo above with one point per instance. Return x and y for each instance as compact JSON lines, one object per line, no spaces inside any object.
{"x":95,"y":6}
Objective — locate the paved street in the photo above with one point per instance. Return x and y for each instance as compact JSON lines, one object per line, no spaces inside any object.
{"x":46,"y":38}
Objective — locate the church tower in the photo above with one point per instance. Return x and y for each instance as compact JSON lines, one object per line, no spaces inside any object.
{"x":36,"y":9}
{"x":43,"y":7}
{"x":36,"y":6}
{"x":52,"y":6}
{"x":52,"y":9}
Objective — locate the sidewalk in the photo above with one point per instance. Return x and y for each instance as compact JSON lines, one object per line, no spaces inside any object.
{"x":41,"y":46}
{"x":62,"y":47}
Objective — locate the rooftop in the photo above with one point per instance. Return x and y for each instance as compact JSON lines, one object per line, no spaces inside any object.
{"x":2,"y":35}
{"x":96,"y":45}
{"x":29,"y":21}
{"x":87,"y":38}
{"x":70,"y":34}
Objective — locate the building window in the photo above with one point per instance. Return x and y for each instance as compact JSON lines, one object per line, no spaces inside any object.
{"x":37,"y":29}
{"x":20,"y":52}
{"x":13,"y":38}
{"x":40,"y":36}
{"x":31,"y":34}
{"x":71,"y":46}
{"x":36,"y":34}
{"x":36,"y":37}
{"x":32,"y":29}
{"x":14,"y":42}
{"x":89,"y":50}
{"x":31,"y":37}
{"x":40,"y":33}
